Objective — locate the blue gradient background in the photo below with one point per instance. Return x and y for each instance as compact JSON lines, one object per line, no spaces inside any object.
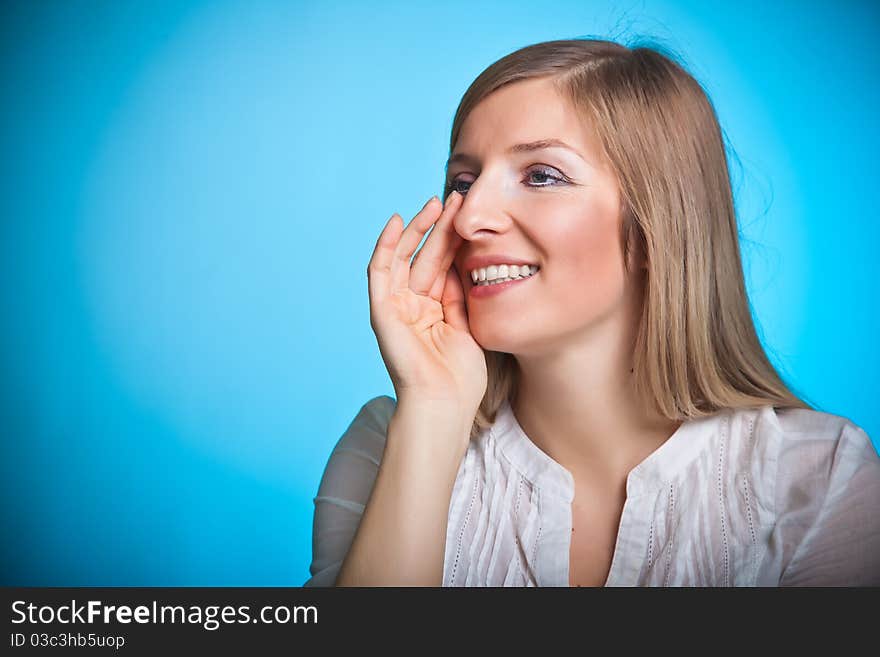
{"x":191,"y":192}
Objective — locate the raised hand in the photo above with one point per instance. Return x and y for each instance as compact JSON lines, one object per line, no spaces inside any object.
{"x":417,"y":311}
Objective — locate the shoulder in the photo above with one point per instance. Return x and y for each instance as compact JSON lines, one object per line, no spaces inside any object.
{"x":345,"y":487}
{"x":354,"y":461}
{"x":805,"y":437}
{"x":365,"y":435}
{"x":822,"y":461}
{"x":377,"y":411}
{"x":825,"y":492}
{"x":796,"y":457}
{"x":803,"y":421}
{"x":374,"y":415}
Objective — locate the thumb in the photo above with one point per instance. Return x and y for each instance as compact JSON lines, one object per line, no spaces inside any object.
{"x":454,"y":310}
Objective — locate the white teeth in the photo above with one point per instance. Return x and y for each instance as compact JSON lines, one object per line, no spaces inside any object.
{"x":502,"y":271}
{"x":494,"y":274}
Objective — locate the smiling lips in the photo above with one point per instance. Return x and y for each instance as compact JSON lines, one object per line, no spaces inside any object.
{"x":494,"y":274}
{"x":484,"y":261}
{"x":483,"y":289}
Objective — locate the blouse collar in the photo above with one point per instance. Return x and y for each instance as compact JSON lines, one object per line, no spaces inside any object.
{"x":655,"y":471}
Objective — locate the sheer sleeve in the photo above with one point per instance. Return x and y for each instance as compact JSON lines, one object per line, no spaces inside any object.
{"x":831,"y":503}
{"x":345,"y":488}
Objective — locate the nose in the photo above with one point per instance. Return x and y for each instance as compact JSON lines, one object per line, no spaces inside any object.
{"x":482,"y":211}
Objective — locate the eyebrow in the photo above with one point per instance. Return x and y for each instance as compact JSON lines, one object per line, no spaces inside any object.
{"x":527,"y":147}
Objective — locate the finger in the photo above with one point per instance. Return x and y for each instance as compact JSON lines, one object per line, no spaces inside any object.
{"x":440,"y":281}
{"x":409,"y":240}
{"x":428,"y":265}
{"x":379,"y":267}
{"x":454,"y":311}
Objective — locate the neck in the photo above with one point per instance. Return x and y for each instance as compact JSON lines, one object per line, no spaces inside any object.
{"x":578,"y":405}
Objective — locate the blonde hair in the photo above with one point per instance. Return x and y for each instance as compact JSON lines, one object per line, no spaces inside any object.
{"x":696,"y":350}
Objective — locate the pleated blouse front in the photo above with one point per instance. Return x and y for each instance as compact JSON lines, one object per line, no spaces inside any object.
{"x":749,"y":497}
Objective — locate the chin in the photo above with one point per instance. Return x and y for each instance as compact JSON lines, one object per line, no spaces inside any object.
{"x":499,"y":335}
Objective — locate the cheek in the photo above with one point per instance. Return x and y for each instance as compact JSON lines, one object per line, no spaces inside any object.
{"x":585,"y":270}
{"x":582,"y":280}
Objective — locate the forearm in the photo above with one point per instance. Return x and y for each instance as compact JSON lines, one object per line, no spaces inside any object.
{"x":402,"y":534}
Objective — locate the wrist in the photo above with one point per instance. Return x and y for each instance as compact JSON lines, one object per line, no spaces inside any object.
{"x":430,"y":431}
{"x":448,"y":413}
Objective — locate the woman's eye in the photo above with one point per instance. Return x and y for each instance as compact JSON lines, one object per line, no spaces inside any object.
{"x":542,"y":174}
{"x":453,"y":186}
{"x":538,"y":177}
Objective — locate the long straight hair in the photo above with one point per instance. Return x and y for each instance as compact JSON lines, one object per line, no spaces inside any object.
{"x":696,"y":350}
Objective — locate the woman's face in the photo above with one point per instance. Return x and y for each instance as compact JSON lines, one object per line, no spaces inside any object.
{"x":553,"y":207}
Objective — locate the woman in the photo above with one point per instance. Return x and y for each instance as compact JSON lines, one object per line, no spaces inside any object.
{"x":606,"y":414}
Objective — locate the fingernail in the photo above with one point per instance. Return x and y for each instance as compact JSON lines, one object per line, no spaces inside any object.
{"x":431,"y":200}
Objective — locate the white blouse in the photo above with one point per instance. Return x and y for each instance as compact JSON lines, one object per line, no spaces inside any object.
{"x":753,"y":497}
